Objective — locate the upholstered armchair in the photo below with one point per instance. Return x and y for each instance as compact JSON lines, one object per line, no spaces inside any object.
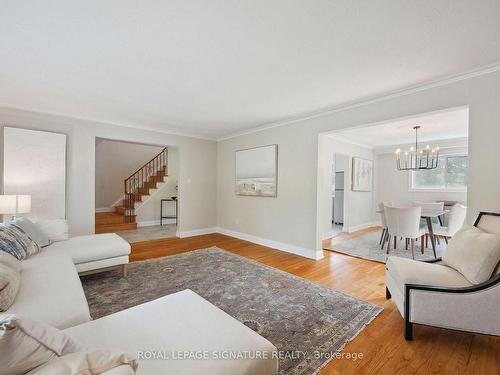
{"x":434,"y":294}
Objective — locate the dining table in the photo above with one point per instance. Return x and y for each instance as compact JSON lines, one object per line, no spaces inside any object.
{"x":428,"y":214}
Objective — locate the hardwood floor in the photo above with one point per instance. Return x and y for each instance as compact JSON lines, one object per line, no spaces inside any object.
{"x":384,"y":350}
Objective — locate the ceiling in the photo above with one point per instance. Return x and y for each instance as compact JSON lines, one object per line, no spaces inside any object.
{"x":452,"y":124}
{"x":213,"y":68}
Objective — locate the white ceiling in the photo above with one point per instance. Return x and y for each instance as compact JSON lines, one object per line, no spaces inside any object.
{"x":437,"y":126}
{"x":213,"y":68}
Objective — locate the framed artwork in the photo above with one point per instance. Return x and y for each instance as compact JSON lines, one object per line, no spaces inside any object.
{"x":256,"y":171}
{"x":362,"y":174}
{"x":34,"y":163}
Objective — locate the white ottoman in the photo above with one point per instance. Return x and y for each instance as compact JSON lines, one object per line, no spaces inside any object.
{"x":96,"y":252}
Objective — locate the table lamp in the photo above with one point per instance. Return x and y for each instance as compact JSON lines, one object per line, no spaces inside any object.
{"x":15,"y":204}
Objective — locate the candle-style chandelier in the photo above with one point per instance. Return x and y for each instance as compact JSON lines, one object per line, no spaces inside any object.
{"x":415,"y":159}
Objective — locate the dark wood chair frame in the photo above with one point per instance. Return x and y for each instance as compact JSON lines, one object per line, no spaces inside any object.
{"x":469,"y":289}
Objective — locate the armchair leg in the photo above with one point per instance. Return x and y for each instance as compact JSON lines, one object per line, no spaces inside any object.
{"x":387,"y":293}
{"x":408,"y":330}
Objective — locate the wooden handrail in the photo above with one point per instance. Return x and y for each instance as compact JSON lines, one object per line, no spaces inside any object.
{"x":137,"y":171}
{"x":138,"y":180}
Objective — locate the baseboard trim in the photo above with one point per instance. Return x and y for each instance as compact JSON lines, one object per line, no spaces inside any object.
{"x":355,"y":228}
{"x":297,"y":250}
{"x":195,"y":232}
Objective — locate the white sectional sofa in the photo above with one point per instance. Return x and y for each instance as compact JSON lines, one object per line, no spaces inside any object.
{"x":51,"y":292}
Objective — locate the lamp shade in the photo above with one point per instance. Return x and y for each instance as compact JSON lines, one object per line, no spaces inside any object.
{"x":8,"y":204}
{"x":23,"y":204}
{"x":15,"y":204}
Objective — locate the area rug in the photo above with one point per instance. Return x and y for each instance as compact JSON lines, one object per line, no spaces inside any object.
{"x":368,"y":247}
{"x":294,"y":314}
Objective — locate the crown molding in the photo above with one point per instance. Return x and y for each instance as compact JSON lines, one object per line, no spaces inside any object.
{"x":371,"y":100}
{"x":96,"y":121}
{"x":307,"y":116}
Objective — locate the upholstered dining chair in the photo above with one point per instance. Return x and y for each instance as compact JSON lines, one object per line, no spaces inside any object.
{"x":456,"y":219}
{"x":434,"y":294}
{"x":383,"y":220}
{"x":404,"y":223}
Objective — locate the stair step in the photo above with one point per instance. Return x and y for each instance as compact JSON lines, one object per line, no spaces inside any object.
{"x":117,"y":227}
{"x":108,"y":218}
{"x":109,"y":222}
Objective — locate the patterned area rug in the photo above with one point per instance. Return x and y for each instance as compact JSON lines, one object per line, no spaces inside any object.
{"x":294,"y":314}
{"x":367,"y":247}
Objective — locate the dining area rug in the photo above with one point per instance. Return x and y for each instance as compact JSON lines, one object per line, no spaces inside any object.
{"x":307,"y":321}
{"x":367,"y":246}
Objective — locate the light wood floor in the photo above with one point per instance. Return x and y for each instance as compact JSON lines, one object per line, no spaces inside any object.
{"x":433,"y":351}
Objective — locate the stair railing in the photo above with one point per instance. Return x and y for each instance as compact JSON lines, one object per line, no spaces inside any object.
{"x":138,"y":180}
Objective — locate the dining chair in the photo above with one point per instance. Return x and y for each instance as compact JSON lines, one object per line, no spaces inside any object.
{"x":456,"y":219}
{"x":383,"y":220}
{"x":404,"y":223}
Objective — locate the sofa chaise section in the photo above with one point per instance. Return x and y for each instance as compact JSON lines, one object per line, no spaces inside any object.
{"x":96,"y":252}
{"x":180,"y":324}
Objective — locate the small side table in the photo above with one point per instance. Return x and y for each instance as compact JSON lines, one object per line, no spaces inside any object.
{"x":168,"y":216}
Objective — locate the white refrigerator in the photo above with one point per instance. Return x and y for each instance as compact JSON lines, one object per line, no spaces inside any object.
{"x":338,"y":199}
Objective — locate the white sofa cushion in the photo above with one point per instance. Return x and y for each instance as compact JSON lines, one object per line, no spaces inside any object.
{"x":181,"y":321}
{"x":55,"y":229}
{"x":51,"y":291}
{"x":409,"y":271}
{"x":97,"y":361}
{"x":474,"y":253}
{"x":32,"y":230}
{"x":30,"y":344}
{"x":94,"y":247}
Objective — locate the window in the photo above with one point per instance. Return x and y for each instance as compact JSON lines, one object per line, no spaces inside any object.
{"x":450,"y":175}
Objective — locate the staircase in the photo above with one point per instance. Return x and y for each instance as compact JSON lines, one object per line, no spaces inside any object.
{"x":137,"y":189}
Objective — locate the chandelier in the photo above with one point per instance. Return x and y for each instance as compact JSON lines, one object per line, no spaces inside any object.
{"x":415,"y":159}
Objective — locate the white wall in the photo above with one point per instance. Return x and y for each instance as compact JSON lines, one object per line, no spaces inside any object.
{"x":393,"y":185}
{"x":115,"y":161}
{"x":197,"y":166}
{"x":358,"y":205}
{"x":291,"y":217}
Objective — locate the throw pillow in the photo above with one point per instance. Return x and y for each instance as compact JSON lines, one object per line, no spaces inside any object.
{"x":56,"y":230}
{"x":10,"y":280}
{"x":9,"y":244}
{"x":10,"y":261}
{"x":474,"y":253}
{"x":33,"y":231}
{"x":31,"y":344}
{"x":16,"y":242}
{"x":89,"y":362}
